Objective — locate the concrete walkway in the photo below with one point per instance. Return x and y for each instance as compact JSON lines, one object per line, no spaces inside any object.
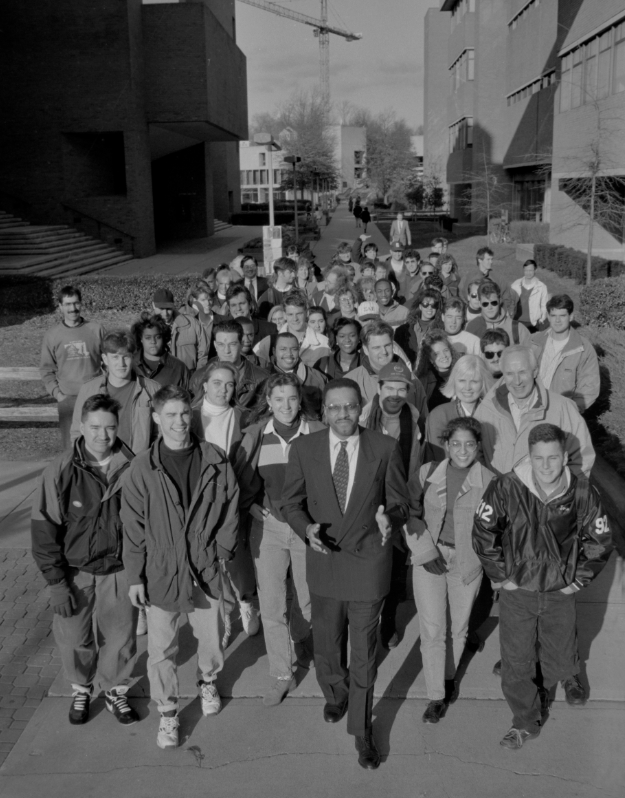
{"x":191,"y":256}
{"x":342,"y":227}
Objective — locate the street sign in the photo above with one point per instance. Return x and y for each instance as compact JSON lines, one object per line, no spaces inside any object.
{"x":272,"y":246}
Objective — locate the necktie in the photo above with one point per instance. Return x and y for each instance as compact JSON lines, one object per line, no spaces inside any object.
{"x":340,"y":476}
{"x":250,"y":288}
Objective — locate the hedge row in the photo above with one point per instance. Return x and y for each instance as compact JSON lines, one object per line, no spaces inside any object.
{"x":569,"y":262}
{"x":129,"y":294}
{"x":603,"y":303}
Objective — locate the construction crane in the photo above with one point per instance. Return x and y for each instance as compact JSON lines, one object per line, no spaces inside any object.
{"x":321,"y":29}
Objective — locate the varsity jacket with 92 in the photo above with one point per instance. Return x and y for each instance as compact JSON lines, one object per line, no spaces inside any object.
{"x":75,"y":521}
{"x":537,"y":545}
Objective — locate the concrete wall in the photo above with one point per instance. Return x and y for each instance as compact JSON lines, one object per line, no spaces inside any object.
{"x":436,"y":91}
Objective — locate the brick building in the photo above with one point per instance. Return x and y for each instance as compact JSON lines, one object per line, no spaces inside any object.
{"x":499,"y":105}
{"x":122,"y":118}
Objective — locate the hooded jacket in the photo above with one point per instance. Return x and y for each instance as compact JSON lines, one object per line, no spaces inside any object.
{"x":75,"y":521}
{"x":577,"y":373}
{"x":166,"y":548}
{"x":422,"y":533}
{"x":537,"y":299}
{"x":537,"y":545}
{"x":189,"y":341}
{"x":504,"y":447}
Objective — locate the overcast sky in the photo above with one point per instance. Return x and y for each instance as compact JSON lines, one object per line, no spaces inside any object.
{"x":383,"y":70}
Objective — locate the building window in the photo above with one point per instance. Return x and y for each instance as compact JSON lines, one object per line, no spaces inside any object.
{"x":461,"y":8}
{"x":462,"y":69}
{"x":262,"y":159}
{"x":535,"y":86}
{"x":594,"y":70}
{"x":522,"y":14}
{"x":461,"y":134}
{"x":359,"y":157}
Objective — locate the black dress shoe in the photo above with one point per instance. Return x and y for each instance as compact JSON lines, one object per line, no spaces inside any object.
{"x":391,"y":642}
{"x":368,"y":754}
{"x":574,"y":691}
{"x":332,"y":713}
{"x":434,"y":712}
{"x":497,"y":668}
{"x":475,"y":644}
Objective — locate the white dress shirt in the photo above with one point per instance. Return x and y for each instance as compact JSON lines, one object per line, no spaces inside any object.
{"x":252,"y":286}
{"x":517,"y":411}
{"x":353,"y":445}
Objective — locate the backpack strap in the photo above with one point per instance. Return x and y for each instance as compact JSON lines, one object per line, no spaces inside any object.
{"x":515,"y":331}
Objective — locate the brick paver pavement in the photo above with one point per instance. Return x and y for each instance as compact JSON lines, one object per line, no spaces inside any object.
{"x":29,"y":661}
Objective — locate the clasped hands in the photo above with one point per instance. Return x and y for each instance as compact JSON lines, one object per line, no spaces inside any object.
{"x":382,"y":519}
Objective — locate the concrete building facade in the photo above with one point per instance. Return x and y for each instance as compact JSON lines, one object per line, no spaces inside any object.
{"x":350,"y":154}
{"x":122,"y":118}
{"x":495,"y":73}
{"x":254,"y":165}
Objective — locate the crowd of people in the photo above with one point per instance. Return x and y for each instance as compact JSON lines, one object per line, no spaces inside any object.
{"x":286,"y":448}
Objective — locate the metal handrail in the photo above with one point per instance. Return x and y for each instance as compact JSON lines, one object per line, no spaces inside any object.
{"x":100,"y":223}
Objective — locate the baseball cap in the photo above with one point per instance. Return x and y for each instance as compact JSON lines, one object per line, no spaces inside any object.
{"x":397,"y":247}
{"x":395,"y":372}
{"x":367,"y":311}
{"x":163,"y":299}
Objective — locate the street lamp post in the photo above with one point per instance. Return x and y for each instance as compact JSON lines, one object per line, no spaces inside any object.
{"x":268,"y":139}
{"x":294,"y":159}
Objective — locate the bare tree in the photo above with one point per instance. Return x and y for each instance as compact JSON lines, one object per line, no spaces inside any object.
{"x":489,"y":193}
{"x":592,"y":183}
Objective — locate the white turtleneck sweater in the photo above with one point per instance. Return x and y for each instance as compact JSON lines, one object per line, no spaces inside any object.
{"x":218,"y":424}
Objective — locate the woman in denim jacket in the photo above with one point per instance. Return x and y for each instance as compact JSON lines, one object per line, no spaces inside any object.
{"x":446,"y":570}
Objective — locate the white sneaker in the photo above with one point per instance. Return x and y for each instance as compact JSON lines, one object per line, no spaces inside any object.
{"x":227,"y":631}
{"x":211,"y":702}
{"x":168,"y":732}
{"x":249,"y":617}
{"x":142,"y":623}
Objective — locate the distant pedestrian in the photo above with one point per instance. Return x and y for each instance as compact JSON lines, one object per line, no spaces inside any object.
{"x":365,"y":217}
{"x":350,"y":205}
{"x":357,"y":213}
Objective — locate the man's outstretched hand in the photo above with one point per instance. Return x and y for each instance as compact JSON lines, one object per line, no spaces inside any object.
{"x":312,"y":533}
{"x":138,"y":597}
{"x":384,"y":524}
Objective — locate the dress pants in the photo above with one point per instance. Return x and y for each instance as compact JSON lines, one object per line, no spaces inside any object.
{"x":331,"y":619}
{"x":66,"y":415}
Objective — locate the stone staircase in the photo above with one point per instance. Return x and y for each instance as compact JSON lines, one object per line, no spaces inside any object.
{"x":220,"y":225}
{"x":51,"y":250}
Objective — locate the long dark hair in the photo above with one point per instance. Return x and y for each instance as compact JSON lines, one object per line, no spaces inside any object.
{"x":425,"y":366}
{"x":427,"y":293}
{"x":262,"y":411}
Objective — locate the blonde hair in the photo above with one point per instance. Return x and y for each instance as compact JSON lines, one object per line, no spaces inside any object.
{"x":468,"y":364}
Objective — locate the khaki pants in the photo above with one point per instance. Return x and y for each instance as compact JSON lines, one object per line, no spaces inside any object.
{"x":110,"y":648}
{"x":163,"y":630}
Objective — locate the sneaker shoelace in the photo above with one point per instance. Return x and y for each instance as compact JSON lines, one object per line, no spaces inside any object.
{"x":169,"y":724}
{"x":120,"y":703}
{"x":80,"y":700}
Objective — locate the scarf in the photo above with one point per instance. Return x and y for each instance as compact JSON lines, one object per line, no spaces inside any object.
{"x":218,"y":424}
{"x":406,"y":432}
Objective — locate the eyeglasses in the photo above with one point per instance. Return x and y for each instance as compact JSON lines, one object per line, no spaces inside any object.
{"x":351,"y":407}
{"x":428,"y":304}
{"x":491,"y":355}
{"x":493,"y":303}
{"x":470,"y":446}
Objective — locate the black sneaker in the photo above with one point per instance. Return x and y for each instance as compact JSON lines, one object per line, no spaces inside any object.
{"x":79,"y":710}
{"x":434,"y":711}
{"x":117,"y":703}
{"x":574,"y":692}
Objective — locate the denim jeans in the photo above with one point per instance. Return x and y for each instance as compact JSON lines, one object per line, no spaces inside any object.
{"x":163,"y":630}
{"x":111,"y":650}
{"x":525,"y":619}
{"x":434,"y":594}
{"x":238,"y":578}
{"x":274,"y":547}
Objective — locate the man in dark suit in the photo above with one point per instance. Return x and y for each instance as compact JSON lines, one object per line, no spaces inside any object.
{"x":255,"y":285}
{"x":345,"y":494}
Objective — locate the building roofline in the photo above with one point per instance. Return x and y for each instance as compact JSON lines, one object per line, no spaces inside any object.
{"x":620,"y":15}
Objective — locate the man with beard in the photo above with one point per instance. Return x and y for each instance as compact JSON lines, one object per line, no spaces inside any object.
{"x":391,"y":413}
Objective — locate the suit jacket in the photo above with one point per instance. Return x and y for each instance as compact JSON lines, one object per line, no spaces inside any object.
{"x":262,"y":284}
{"x":400,"y":231}
{"x":358,"y":567}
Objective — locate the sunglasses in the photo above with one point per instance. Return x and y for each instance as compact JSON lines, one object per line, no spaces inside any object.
{"x":491,"y":355}
{"x":428,"y":305}
{"x":492,"y":303}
